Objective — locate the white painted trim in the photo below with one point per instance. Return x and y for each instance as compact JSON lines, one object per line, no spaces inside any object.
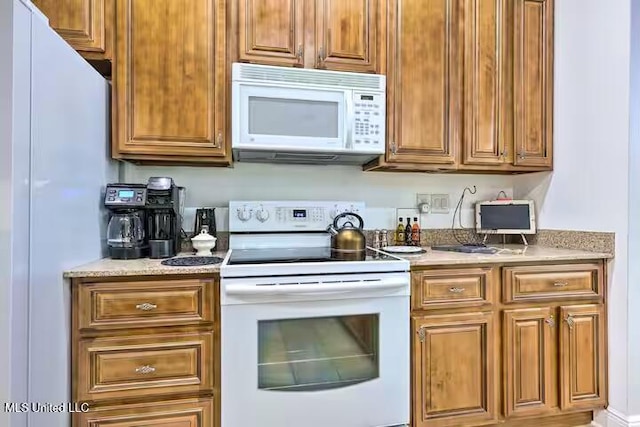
{"x":614,"y":418}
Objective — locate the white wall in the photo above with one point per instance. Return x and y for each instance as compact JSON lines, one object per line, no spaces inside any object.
{"x":246,"y":181}
{"x":588,"y":188}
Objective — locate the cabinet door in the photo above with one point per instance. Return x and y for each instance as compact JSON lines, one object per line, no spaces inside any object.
{"x":422,"y":81}
{"x":533,"y":82}
{"x":483,"y":88}
{"x":529,"y":354}
{"x":271,"y":32}
{"x":454,"y":370}
{"x":170,"y":79}
{"x":582,"y":357}
{"x":182,"y":413}
{"x":348,"y":35}
{"x":82,"y":23}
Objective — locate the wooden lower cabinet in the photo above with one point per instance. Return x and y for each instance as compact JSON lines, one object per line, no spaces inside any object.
{"x":181,"y":413}
{"x":534,"y":354}
{"x":454,"y":375}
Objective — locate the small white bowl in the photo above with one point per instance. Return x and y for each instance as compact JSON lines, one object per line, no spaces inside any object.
{"x":203,"y":243}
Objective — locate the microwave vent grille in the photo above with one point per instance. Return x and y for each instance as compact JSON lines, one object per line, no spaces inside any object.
{"x":311,"y":77}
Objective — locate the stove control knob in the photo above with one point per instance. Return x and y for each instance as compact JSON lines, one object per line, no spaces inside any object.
{"x":262,"y":214}
{"x":244,"y":214}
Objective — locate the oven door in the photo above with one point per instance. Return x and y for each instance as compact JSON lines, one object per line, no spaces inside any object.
{"x":289,"y":118}
{"x":316,"y":362}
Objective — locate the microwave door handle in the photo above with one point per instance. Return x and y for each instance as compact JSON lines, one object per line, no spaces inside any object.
{"x":349,"y":119}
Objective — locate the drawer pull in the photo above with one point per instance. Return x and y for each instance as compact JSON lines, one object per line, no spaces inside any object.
{"x":560,"y":284}
{"x":456,"y":290}
{"x":570,"y":321}
{"x":146,"y":306}
{"x":146,"y":369}
{"x":550,"y":321}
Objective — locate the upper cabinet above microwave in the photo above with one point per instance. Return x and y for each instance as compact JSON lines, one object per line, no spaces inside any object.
{"x":325,"y":34}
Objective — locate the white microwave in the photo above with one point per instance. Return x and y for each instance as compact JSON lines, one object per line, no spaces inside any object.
{"x":292,"y":115}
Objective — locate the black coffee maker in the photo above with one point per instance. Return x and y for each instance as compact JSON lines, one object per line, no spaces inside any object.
{"x":164,"y":209}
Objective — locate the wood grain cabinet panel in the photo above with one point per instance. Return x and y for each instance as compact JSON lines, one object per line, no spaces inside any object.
{"x":423,"y":81}
{"x":180,"y":413}
{"x":170,"y":80}
{"x":146,"y":304}
{"x":483,"y":91}
{"x":347,"y":35}
{"x":583,"y":349}
{"x":533,"y":82}
{"x":155,"y":365}
{"x":529,"y":354}
{"x":550,"y":282}
{"x":452,"y":288}
{"x":455,"y":368}
{"x":87,"y":25}
{"x":271,"y":32}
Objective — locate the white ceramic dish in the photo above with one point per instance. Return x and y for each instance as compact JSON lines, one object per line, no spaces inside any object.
{"x":203,"y":243}
{"x":403,"y":249}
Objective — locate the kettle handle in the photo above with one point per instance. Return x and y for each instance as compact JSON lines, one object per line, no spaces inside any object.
{"x":347,"y":214}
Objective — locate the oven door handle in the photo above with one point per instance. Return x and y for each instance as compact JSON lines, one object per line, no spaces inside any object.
{"x":317,"y":288}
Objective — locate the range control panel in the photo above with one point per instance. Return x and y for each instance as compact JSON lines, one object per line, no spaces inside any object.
{"x":251,"y":216}
{"x":125,"y":195}
{"x":368,"y":120}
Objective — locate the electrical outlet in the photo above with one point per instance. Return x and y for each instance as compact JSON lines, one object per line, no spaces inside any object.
{"x":423,"y":201}
{"x":440,"y":203}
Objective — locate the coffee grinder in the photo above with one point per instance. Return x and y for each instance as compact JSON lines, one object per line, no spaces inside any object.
{"x":164,"y":209}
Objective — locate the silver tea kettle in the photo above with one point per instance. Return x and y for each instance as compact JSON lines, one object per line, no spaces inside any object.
{"x":348,"y":243}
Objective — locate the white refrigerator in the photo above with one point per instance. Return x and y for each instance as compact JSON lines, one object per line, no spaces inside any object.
{"x":54,"y":163}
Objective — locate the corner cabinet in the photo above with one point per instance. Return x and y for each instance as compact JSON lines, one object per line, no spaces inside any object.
{"x":323,"y":34}
{"x":87,"y":25}
{"x":469,"y":86}
{"x":170,"y":80}
{"x":508,"y":345}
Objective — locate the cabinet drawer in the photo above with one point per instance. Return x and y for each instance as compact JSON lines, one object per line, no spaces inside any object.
{"x":543,"y":282}
{"x":182,"y":413}
{"x":113,"y":368}
{"x":451,"y":288}
{"x":107,"y":305}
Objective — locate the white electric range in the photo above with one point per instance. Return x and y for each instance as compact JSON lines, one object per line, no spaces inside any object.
{"x":308,"y":340}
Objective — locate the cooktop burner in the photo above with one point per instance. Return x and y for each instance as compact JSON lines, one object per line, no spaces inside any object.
{"x":295,"y":255}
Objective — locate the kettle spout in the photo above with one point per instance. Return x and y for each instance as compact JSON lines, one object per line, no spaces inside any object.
{"x":331,"y":230}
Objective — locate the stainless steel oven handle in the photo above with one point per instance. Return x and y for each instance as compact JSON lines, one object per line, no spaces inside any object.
{"x":316,"y":288}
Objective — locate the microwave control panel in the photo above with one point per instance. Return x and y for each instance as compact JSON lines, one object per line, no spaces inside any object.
{"x":368,"y":120}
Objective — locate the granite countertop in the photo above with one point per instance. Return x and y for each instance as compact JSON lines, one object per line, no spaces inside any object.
{"x":506,"y":254}
{"x":509,"y":254}
{"x":108,"y":267}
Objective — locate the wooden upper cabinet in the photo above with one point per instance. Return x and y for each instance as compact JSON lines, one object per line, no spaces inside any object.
{"x":423,"y":81}
{"x":87,"y":25}
{"x":454,"y":371}
{"x":271,"y":32}
{"x":347,"y":34}
{"x":326,"y":34}
{"x":533,"y":82}
{"x":530,"y":357}
{"x":170,"y":80}
{"x":483,"y":101}
{"x":583,"y":349}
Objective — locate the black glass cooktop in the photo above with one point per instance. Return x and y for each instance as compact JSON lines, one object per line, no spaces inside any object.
{"x":293,"y":255}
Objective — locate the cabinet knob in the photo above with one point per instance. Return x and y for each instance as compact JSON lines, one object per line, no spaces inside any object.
{"x":394,"y":148}
{"x":550,"y":321}
{"x":522,"y":155}
{"x":146,"y":306}
{"x":300,"y":53}
{"x":422,"y":333}
{"x":219,"y":140}
{"x":570,"y":321}
{"x":146,"y":369}
{"x":321,"y":57}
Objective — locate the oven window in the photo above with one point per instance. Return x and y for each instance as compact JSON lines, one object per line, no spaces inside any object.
{"x":293,"y":117}
{"x":314,"y":354}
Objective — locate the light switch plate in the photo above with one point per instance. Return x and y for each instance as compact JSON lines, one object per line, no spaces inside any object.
{"x":439,"y":203}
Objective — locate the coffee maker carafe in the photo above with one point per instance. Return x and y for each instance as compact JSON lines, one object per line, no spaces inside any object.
{"x":165,"y":202}
{"x":126,"y":235}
